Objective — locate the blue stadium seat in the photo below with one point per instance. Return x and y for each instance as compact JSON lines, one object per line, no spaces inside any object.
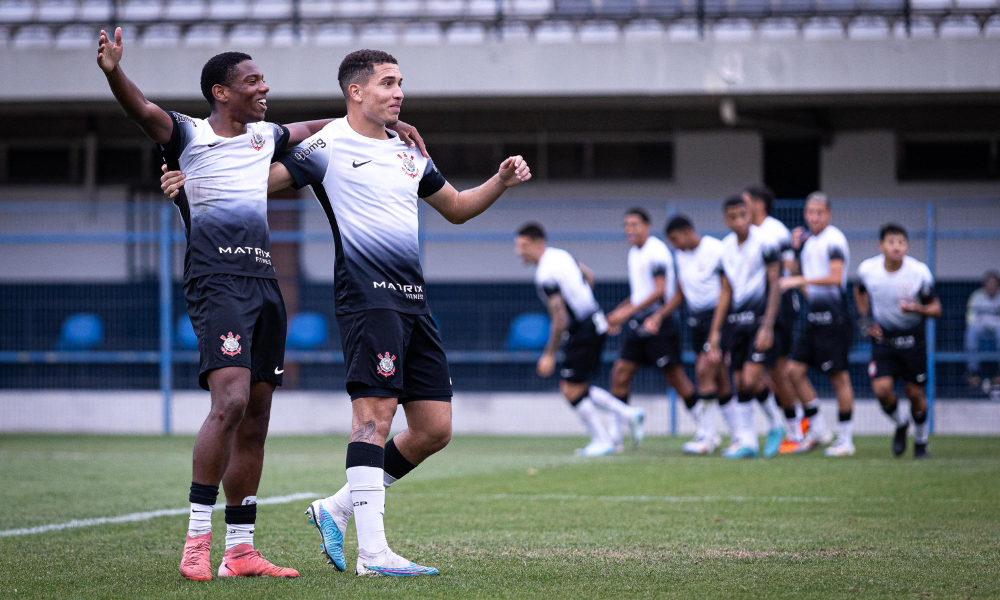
{"x":81,"y":331}
{"x":184,"y":335}
{"x":307,"y":330}
{"x":528,"y":331}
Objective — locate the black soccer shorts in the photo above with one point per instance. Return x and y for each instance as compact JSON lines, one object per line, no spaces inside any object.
{"x":900,"y":357}
{"x":240,"y":322}
{"x":700,"y":324}
{"x":741,"y":346}
{"x":390,"y":354}
{"x":661,"y":350}
{"x":825,"y":347}
{"x":582,"y":351}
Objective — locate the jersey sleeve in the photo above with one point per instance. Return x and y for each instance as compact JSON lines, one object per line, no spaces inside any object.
{"x":308,"y":162}
{"x":432,"y":181}
{"x":659,"y":262}
{"x":281,"y":135}
{"x":927,"y":291}
{"x":837,"y":249}
{"x":770,"y":253}
{"x":180,"y":137}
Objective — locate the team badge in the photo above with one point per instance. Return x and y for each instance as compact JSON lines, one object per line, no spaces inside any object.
{"x":231,"y":345}
{"x":257,"y":141}
{"x":385,"y":365}
{"x":409,"y":167}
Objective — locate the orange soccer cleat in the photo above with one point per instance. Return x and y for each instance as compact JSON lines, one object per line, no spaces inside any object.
{"x":244,"y":561}
{"x":196,"y":562}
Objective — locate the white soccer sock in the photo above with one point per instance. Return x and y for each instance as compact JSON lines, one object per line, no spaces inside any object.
{"x":616,"y":429}
{"x":732,"y":420}
{"x":845,"y":431}
{"x":238,"y":534}
{"x":697,"y":413}
{"x":775,"y":416}
{"x":340,"y":506}
{"x":706,"y":421}
{"x":368,"y":498}
{"x":793,"y":428}
{"x":605,"y":401}
{"x":200,"y":519}
{"x":748,"y":434}
{"x":588,"y":414}
{"x":920,"y":432}
{"x":898,"y":416}
{"x":817,"y":424}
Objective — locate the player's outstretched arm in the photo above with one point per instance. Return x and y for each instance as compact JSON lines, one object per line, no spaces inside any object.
{"x":155,"y":123}
{"x":278,"y":178}
{"x":560,"y":320}
{"x":458,"y":207}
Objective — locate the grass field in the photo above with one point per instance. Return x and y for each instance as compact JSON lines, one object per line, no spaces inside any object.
{"x":519,"y":517}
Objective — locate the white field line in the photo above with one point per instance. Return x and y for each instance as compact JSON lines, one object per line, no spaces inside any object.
{"x":671,"y":499}
{"x":141,"y":516}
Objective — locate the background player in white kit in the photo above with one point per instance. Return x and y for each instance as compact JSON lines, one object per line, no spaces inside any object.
{"x":578,"y":324}
{"x":824,"y":259}
{"x":894,"y":295}
{"x":699,"y":270}
{"x":657,"y":343}
{"x":748,"y":304}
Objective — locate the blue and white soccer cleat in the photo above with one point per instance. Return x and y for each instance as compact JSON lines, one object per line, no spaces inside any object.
{"x":636,"y":427}
{"x":596,"y":449}
{"x":389,"y":564}
{"x":738,"y":451}
{"x":332,"y":536}
{"x":773,"y":443}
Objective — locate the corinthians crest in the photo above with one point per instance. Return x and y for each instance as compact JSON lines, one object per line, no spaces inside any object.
{"x":385,"y":365}
{"x":231,"y":345}
{"x":409,"y":167}
{"x":257,"y":141}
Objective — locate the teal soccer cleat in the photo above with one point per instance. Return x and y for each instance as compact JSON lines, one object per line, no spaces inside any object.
{"x":333,"y":537}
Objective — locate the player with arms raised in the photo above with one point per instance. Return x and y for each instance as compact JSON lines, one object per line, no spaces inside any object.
{"x":894,"y":296}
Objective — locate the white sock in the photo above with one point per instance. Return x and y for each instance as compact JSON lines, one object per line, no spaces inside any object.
{"x":732,"y":421}
{"x":706,"y":421}
{"x":616,"y":429}
{"x":238,"y":534}
{"x":588,"y":414}
{"x":748,"y":434}
{"x":340,"y":506}
{"x":817,"y":424}
{"x":697,"y":413}
{"x":898,"y":416}
{"x":845,"y":431}
{"x":368,"y":498}
{"x":793,"y":428}
{"x":920,"y":432}
{"x":775,"y":416}
{"x":200,"y":519}
{"x":605,"y":401}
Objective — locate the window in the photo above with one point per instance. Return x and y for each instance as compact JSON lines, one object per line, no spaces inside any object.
{"x":948,"y":160}
{"x":642,"y":160}
{"x":462,"y":161}
{"x":42,"y":164}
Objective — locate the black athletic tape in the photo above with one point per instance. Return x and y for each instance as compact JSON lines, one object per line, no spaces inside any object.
{"x":363,"y":454}
{"x":724,"y":400}
{"x":241,"y":515}
{"x":789,"y":413}
{"x":810,"y":411}
{"x":844,"y":416}
{"x":890,"y":409}
{"x":742,"y":397}
{"x":396,"y":464}
{"x":203,"y":494}
{"x":763,"y":394}
{"x":691,"y":400}
{"x":573,"y":403}
{"x":920,"y":417}
{"x":623,"y":398}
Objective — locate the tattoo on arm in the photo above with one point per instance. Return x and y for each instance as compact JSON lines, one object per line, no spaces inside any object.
{"x":365,"y":432}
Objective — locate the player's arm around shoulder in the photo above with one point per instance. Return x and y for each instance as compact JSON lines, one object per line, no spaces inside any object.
{"x":458,"y":207}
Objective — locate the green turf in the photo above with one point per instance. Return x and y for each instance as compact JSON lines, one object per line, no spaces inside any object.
{"x":519,"y":517}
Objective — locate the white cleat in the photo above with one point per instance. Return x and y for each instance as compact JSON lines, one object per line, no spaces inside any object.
{"x":389,"y":564}
{"x":703,"y":444}
{"x":596,"y":449}
{"x":840,"y":448}
{"x":636,"y":427}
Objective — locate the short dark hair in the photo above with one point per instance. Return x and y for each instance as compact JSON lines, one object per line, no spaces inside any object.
{"x":532,"y":231}
{"x":678,"y":223}
{"x":360,"y":65}
{"x":219,"y":70}
{"x":891,"y":229}
{"x":763,"y":194}
{"x":639,"y":212}
{"x":733,"y":201}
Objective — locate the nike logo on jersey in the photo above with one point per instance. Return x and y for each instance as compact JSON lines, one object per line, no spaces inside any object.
{"x":278,"y":371}
{"x":214,"y":144}
{"x":356,"y":164}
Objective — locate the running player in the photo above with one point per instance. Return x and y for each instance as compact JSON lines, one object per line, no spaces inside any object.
{"x":760,"y":200}
{"x":749,"y":300}
{"x":657,"y":343}
{"x":698,"y":283}
{"x":898,"y":290}
{"x":232,"y":295}
{"x":823,"y":261}
{"x":565,"y":286}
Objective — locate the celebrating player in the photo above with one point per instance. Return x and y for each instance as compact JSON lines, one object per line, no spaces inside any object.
{"x":564,"y":285}
{"x":652,"y":336}
{"x":749,"y":300}
{"x":233,"y":299}
{"x":698,"y":283}
{"x":823,"y":261}
{"x":369,"y":184}
{"x":898,"y":291}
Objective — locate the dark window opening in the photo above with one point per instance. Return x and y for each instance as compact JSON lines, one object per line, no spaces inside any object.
{"x":959,"y":160}
{"x":644,"y":160}
{"x":41,"y":164}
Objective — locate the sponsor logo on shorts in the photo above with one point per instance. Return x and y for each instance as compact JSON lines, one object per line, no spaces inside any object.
{"x":257,"y":141}
{"x":757,"y":357}
{"x":662,"y":361}
{"x":872,"y":369}
{"x":921,"y":377}
{"x":409,"y":167}
{"x":826,"y":366}
{"x":386,"y":366}
{"x":820,"y":318}
{"x":231,"y":344}
{"x":566,"y":373}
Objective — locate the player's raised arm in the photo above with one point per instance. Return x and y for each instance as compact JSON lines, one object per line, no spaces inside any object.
{"x":458,"y":207}
{"x":154,"y":121}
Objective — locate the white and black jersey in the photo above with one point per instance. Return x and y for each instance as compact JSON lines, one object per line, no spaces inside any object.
{"x":777,"y":235}
{"x":745,"y":266}
{"x":369,"y":189}
{"x":559,"y":273}
{"x":911,"y":282}
{"x":224,"y":199}
{"x":698,"y":272}
{"x":827,"y":303}
{"x":644,"y":265}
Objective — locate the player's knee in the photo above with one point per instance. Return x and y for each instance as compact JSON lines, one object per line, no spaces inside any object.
{"x":435,"y":438}
{"x":883,"y":392}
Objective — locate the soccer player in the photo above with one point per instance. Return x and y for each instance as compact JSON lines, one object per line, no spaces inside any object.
{"x":823,"y":261}
{"x":760,"y":200}
{"x":749,"y":300}
{"x":657,"y":343}
{"x":232,"y":294}
{"x":369,"y":184}
{"x":699,"y":266}
{"x":982,"y":319}
{"x":894,"y":295}
{"x":565,"y":286}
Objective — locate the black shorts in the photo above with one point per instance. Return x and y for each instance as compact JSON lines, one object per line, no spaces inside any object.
{"x":700,"y":324}
{"x":900,"y":357}
{"x":240,"y":322}
{"x":390,"y":354}
{"x":661,"y":350}
{"x":582,"y":351}
{"x":825,"y":347}
{"x":740,"y":343}
{"x":784,"y":325}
